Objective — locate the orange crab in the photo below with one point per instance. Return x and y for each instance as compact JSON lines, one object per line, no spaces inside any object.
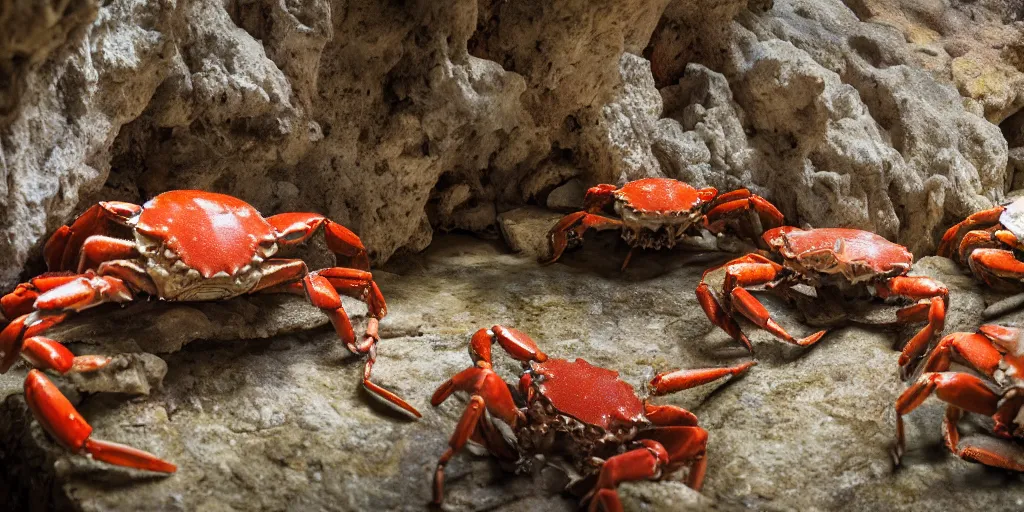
{"x":659,"y":212}
{"x":853,"y":263}
{"x":997,"y":353}
{"x":583,"y":412}
{"x":182,"y":245}
{"x":990,"y":243}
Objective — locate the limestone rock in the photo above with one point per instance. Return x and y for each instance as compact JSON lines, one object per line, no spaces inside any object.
{"x":281,"y":422}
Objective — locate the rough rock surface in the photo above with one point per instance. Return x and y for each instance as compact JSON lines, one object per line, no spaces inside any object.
{"x":404,"y":119}
{"x":399,"y":120}
{"x":266,"y":424}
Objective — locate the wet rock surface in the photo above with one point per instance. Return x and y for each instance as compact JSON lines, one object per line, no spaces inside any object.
{"x":279,"y":421}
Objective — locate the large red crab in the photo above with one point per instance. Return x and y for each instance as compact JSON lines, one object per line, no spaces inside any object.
{"x":580,"y":411}
{"x":659,"y":212}
{"x":848,"y":262}
{"x":990,"y":243}
{"x":997,"y":353}
{"x":183,"y":245}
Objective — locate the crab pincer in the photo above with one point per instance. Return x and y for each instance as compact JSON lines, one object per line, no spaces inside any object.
{"x":182,"y":245}
{"x":608,"y":432}
{"x":839,"y":261}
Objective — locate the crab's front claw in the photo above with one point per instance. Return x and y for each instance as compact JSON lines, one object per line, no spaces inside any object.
{"x":732,"y":204}
{"x":961,"y":390}
{"x":568,"y":233}
{"x":517,"y":343}
{"x":638,"y":464}
{"x":62,"y":421}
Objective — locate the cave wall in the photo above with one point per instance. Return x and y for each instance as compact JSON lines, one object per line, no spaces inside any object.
{"x":402,"y":118}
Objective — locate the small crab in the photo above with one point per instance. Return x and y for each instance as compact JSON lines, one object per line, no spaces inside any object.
{"x":182,"y":245}
{"x":849,"y":262}
{"x":659,"y":212}
{"x":580,"y":411}
{"x":990,"y":244}
{"x":997,"y":353}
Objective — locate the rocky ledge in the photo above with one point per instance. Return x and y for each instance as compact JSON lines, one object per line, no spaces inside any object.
{"x":278,"y":421}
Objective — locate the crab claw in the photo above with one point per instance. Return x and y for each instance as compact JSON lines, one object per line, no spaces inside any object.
{"x":568,"y":232}
{"x":62,"y":421}
{"x":517,"y":343}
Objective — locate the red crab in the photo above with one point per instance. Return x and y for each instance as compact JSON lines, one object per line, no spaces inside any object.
{"x":183,"y":245}
{"x":659,"y":212}
{"x":996,"y":352}
{"x":989,"y":242}
{"x":581,"y":411}
{"x":850,"y":262}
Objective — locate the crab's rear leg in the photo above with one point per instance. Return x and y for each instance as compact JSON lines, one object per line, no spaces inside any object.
{"x":983,"y":219}
{"x":296,"y":228}
{"x":62,"y":421}
{"x":322,"y":288}
{"x":569,"y":232}
{"x":917,"y":288}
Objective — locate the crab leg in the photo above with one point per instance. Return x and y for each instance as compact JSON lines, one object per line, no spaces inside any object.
{"x":99,"y":248}
{"x":918,"y":288}
{"x":322,"y":288}
{"x":62,"y":421}
{"x":50,"y":408}
{"x":686,"y":445}
{"x":61,"y":251}
{"x":961,"y":390}
{"x":296,"y":228}
{"x":20,"y":301}
{"x":678,"y":380}
{"x":995,"y":265}
{"x":638,"y":464}
{"x":995,"y":453}
{"x":713,"y":308}
{"x":731,"y":204}
{"x":981,"y":219}
{"x":53,"y":306}
{"x":48,"y":354}
{"x":466,"y":426}
{"x":751,"y":271}
{"x":569,"y":232}
{"x":517,"y":343}
{"x":976,"y":349}
{"x":488,"y":392}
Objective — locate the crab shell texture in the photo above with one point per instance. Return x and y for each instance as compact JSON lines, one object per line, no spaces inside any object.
{"x":1010,"y":373}
{"x":1012,"y":218}
{"x":590,"y":405}
{"x":855,"y":254}
{"x":202,"y":245}
{"x":653,"y":202}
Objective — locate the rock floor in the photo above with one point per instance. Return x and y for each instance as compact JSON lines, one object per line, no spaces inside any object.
{"x":279,"y":422}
